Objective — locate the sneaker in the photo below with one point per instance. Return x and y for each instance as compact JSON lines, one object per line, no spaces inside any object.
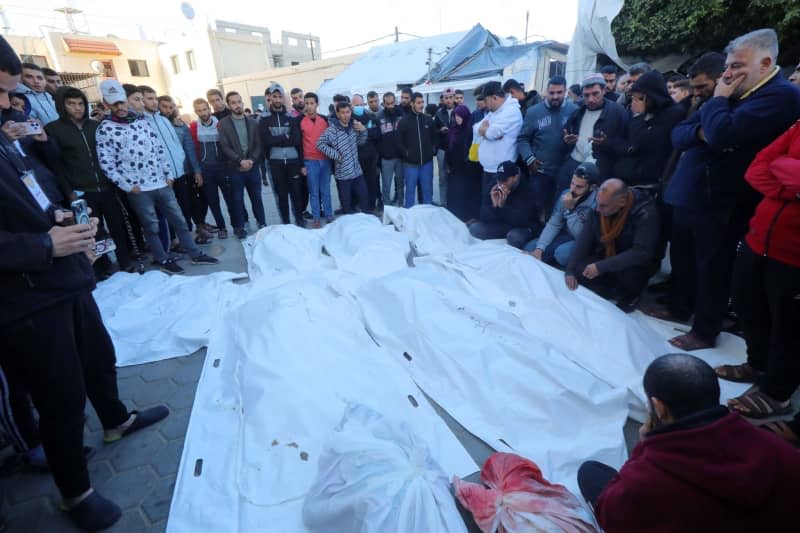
{"x":316,"y":224}
{"x":210,"y":228}
{"x":222,"y":233}
{"x":240,"y":233}
{"x":300,"y":222}
{"x":307,"y":215}
{"x":169,"y":266}
{"x":94,"y":513}
{"x":204,"y":259}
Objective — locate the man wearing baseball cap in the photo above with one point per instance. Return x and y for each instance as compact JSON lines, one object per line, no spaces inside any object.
{"x":557,"y":239}
{"x":132,"y":156}
{"x":509,"y":211}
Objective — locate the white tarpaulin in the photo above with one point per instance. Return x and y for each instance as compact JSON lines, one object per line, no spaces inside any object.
{"x":490,"y":334}
{"x":592,"y":36}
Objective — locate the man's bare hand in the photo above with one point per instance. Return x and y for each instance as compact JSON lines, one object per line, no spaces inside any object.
{"x":537,"y":253}
{"x":68,"y":240}
{"x":358,"y":126}
{"x":483,"y":127}
{"x":571,"y":281}
{"x":304,"y":171}
{"x":136,"y":189}
{"x":591,"y":272}
{"x":570,"y":138}
{"x":170,"y":182}
{"x":198,"y":179}
{"x":14,"y":130}
{"x":725,"y":90}
{"x":568,"y":201}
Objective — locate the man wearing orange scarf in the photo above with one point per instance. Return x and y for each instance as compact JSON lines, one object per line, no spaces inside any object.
{"x":615,"y":253}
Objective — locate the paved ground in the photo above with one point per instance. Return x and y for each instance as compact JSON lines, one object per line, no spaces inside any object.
{"x":139,"y":472}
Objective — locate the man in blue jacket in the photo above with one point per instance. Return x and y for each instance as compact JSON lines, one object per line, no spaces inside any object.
{"x":541,"y":142}
{"x":752,"y":105}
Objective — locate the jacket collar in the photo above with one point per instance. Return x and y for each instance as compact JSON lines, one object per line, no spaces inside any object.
{"x":761,"y":83}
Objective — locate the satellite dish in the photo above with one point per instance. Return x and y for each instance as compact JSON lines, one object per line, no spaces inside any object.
{"x":187,"y":10}
{"x":97,"y":66}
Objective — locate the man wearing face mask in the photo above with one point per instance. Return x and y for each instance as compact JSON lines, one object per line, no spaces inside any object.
{"x":714,"y":470}
{"x":368,"y":152}
{"x":752,"y":105}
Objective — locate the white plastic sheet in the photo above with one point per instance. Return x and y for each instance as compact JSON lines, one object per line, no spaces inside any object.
{"x":154,"y":316}
{"x":490,"y":334}
{"x":377,"y":476}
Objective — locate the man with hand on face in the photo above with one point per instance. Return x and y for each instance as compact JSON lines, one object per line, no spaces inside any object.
{"x":557,"y":239}
{"x":752,"y":105}
{"x":592,"y":131}
{"x":541,"y":142}
{"x":132,"y":156}
{"x":715,"y":471}
{"x":614,"y":254}
{"x":508,"y":213}
{"x":242,"y":146}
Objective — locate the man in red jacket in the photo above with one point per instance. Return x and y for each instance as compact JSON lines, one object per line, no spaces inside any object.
{"x":698,"y":467}
{"x":766,"y":286}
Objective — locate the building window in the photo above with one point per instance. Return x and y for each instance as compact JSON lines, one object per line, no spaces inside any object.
{"x":36,"y":60}
{"x":138,"y":68}
{"x":293,"y":41}
{"x":295,"y":63}
{"x":176,"y":65}
{"x":108,"y":69}
{"x":190,"y":60}
{"x":557,"y":68}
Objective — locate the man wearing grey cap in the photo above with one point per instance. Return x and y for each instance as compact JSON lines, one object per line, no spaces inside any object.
{"x":592,"y":130}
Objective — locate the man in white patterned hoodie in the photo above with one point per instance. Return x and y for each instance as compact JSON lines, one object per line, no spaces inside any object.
{"x":134,"y":158}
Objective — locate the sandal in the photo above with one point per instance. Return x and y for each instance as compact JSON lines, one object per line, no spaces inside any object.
{"x":743,"y":373}
{"x":783,"y":430}
{"x":690,"y":342}
{"x":756,"y":404}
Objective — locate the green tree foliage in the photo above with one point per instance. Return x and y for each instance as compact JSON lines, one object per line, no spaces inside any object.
{"x":651,"y":28}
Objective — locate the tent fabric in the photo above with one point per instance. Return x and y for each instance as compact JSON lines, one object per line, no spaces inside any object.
{"x":491,"y":335}
{"x":385,"y":67}
{"x":475,"y":40}
{"x":490,"y":61}
{"x":592,"y":36}
{"x":464,"y":85}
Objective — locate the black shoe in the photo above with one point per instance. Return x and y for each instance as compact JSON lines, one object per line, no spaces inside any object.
{"x":240,"y":233}
{"x":95,"y":513}
{"x":169,"y":266}
{"x":300,"y":222}
{"x":339,"y":211}
{"x":628,"y":305}
{"x":262,"y":226}
{"x":204,"y":259}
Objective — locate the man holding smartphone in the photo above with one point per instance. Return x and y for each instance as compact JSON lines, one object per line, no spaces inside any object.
{"x":54,"y":341}
{"x":541,"y":142}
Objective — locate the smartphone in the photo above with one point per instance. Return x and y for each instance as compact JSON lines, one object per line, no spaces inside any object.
{"x":32,"y":128}
{"x":80,"y":211}
{"x":104,"y":246}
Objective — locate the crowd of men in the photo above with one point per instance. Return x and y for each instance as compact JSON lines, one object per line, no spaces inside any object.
{"x":601,"y":179}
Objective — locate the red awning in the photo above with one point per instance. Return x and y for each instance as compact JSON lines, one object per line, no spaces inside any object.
{"x":86,"y":46}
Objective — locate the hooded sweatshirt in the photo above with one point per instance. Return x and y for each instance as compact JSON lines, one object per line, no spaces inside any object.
{"x":79,"y":169}
{"x":500,"y":141}
{"x":726,"y":475}
{"x":340,"y":143}
{"x":206,"y":139}
{"x":131,"y":154}
{"x":43,"y":106}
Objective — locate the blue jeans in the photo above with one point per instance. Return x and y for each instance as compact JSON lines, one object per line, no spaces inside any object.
{"x":319,"y":185}
{"x":251,"y":180}
{"x":418,"y":174}
{"x":559,"y":250}
{"x":145,"y":204}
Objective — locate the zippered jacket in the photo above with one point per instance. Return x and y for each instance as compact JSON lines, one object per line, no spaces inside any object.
{"x":340,"y":144}
{"x":79,"y":168}
{"x":176,"y":157}
{"x":416,"y":139}
{"x":280,"y":135}
{"x":43,"y":107}
{"x":775,"y":173}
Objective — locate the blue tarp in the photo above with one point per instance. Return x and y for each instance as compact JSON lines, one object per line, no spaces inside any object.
{"x":476,"y":39}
